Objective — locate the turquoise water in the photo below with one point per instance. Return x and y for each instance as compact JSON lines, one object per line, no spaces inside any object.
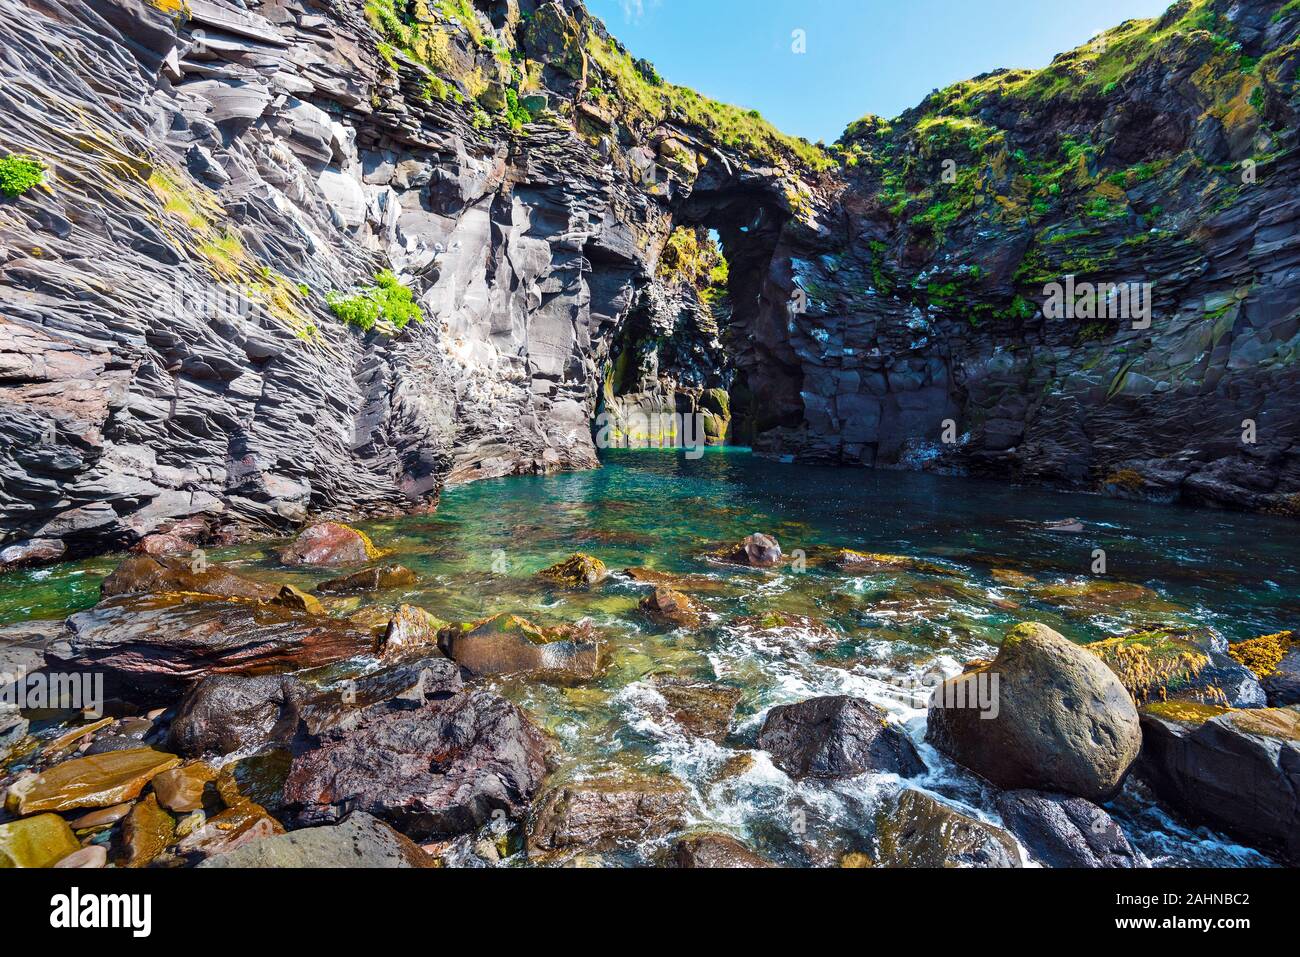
{"x":874,"y":635}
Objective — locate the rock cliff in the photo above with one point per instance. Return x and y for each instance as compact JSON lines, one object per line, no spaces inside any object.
{"x":192,"y":302}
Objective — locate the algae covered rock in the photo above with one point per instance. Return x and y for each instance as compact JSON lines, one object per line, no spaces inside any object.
{"x":918,"y":831}
{"x":508,"y":644}
{"x":715,"y":852}
{"x":1275,"y":661}
{"x":411,"y":629}
{"x":579,"y":571}
{"x":672,"y":608}
{"x":1046,"y":714}
{"x":699,"y":708}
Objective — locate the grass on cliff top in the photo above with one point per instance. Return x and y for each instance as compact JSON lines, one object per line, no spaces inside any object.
{"x":732,"y":126}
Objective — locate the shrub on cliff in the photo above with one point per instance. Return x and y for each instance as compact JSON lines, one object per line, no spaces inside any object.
{"x":19,"y":173}
{"x":386,"y":300}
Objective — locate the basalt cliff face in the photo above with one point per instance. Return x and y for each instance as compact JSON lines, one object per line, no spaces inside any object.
{"x":224,"y":178}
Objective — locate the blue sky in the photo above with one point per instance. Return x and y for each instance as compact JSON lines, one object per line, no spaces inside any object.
{"x":863,"y":56}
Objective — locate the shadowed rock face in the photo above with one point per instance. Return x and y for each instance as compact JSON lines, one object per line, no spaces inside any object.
{"x":166,"y":349}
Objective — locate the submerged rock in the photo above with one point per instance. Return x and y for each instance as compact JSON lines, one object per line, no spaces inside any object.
{"x":144,"y":575}
{"x":672,"y":608}
{"x":98,"y":780}
{"x":1063,"y":831}
{"x":329,"y":544}
{"x":181,"y":789}
{"x":837,"y":737}
{"x":147,"y":832}
{"x":579,"y":571}
{"x":1045,"y":715}
{"x":508,"y":644}
{"x":604,"y":813}
{"x":227,"y":713}
{"x":39,"y":841}
{"x":358,"y":841}
{"x":756,"y":551}
{"x":158,"y":645}
{"x":699,"y":708}
{"x":437,"y":771}
{"x":847,"y":559}
{"x":919,"y":832}
{"x":379,"y":578}
{"x":1235,"y":770}
{"x":714,"y":852}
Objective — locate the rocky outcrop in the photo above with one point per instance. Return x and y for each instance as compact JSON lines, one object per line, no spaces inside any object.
{"x":1238,"y":770}
{"x":159,"y":645}
{"x":1061,"y":831}
{"x":438,"y":771}
{"x":837,"y":737}
{"x":1045,"y":714}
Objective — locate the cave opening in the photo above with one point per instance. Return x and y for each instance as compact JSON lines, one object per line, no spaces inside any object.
{"x":706,"y":339}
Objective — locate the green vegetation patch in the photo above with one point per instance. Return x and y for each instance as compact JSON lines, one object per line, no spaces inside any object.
{"x":20,"y":173}
{"x":387,"y":301}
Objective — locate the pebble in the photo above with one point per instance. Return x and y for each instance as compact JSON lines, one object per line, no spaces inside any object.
{"x":88,"y":858}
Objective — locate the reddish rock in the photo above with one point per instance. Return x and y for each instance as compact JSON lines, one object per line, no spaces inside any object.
{"x":328,"y":544}
{"x":146,"y":575}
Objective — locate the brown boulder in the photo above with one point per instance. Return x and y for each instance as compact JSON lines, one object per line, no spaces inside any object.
{"x":145,"y":575}
{"x":411,"y":629}
{"x":603,"y":813}
{"x":508,"y":644}
{"x":672,"y":608}
{"x":579,"y":571}
{"x":330,"y":543}
{"x":756,"y":551}
{"x":715,"y":852}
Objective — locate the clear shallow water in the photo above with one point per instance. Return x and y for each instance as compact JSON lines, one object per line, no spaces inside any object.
{"x":478,"y":556}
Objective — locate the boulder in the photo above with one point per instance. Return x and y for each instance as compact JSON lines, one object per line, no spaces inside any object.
{"x":756,"y":551}
{"x":379,"y":578}
{"x":39,"y":841}
{"x":917,"y":831}
{"x":36,"y":551}
{"x":411,"y":629}
{"x":98,"y":780}
{"x":1235,"y":770}
{"x":226,"y":713}
{"x":237,"y":826}
{"x":1045,"y":715}
{"x":146,"y":575}
{"x":601,"y":814}
{"x":715,"y":852}
{"x":408,"y":683}
{"x":672,"y":608}
{"x":699,"y":708}
{"x":157,"y":646}
{"x":579,"y":571}
{"x":328,"y":544}
{"x":508,"y":644}
{"x":1063,"y":831}
{"x":436,"y":771}
{"x":837,"y":737}
{"x":360,"y":841}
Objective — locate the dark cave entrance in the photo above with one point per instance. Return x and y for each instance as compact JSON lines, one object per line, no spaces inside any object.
{"x":715,"y":348}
